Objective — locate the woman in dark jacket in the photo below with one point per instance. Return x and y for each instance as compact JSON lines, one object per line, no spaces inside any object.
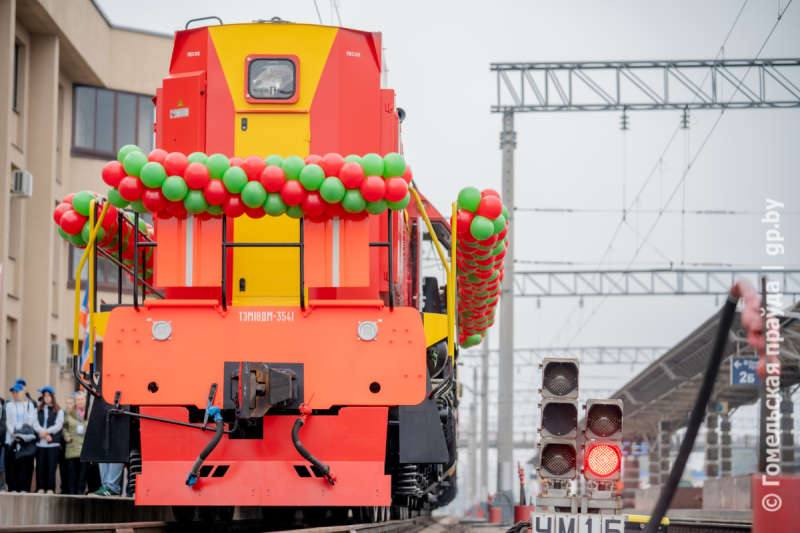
{"x":47,"y":424}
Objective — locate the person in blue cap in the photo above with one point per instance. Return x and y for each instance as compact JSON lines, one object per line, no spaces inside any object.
{"x":47,"y":424}
{"x":19,"y":440}
{"x":24,"y":384}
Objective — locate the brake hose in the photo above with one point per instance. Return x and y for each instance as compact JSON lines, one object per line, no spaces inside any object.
{"x":305,"y":410}
{"x":191,"y":479}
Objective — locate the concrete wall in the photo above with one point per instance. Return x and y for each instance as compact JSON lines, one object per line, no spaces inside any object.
{"x":685,"y":498}
{"x":41,"y":509}
{"x":727,"y":493}
{"x":65,"y":42}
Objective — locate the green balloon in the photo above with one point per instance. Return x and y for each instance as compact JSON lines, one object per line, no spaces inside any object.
{"x":197,"y":157}
{"x":253,"y":194}
{"x":174,"y":188}
{"x":64,"y":234}
{"x":195,"y":202}
{"x":474,"y":339}
{"x":274,"y":205}
{"x":352,"y":159}
{"x":116,"y":200}
{"x":393,"y":165}
{"x":235,"y":178}
{"x":470,"y":262}
{"x":133,"y":163}
{"x":81,"y":202}
{"x":125,"y":150}
{"x":353,"y":202}
{"x":295,"y":211}
{"x":217,"y":165}
{"x":142,"y":225}
{"x":372,"y":165}
{"x":399,"y":206}
{"x":473,"y":278}
{"x":138,"y":206}
{"x":499,"y":225}
{"x":292,"y":166}
{"x":153,"y":175}
{"x":498,"y":249}
{"x":469,"y":198}
{"x":481,"y":227}
{"x":274,"y":161}
{"x":215,"y":210}
{"x":505,"y":213}
{"x":312,"y":177}
{"x":77,"y":240}
{"x":87,"y":231}
{"x":332,"y":190}
{"x":376,"y":208}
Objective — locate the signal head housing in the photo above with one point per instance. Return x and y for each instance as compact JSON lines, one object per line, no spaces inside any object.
{"x":604,"y":419}
{"x":558,"y":459}
{"x":559,"y":419}
{"x":560,"y":378}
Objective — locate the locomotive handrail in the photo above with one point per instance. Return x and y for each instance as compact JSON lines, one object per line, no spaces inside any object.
{"x":90,"y":253}
{"x":389,"y":244}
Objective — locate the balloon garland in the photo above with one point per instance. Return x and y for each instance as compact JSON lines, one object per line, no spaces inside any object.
{"x":482,"y":227}
{"x":72,"y":218}
{"x":173,"y":184}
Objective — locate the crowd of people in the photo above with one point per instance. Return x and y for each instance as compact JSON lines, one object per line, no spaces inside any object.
{"x":42,"y":438}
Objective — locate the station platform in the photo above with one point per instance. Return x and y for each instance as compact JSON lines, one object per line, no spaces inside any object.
{"x":18,"y":509}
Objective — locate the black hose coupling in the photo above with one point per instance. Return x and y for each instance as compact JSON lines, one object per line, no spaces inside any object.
{"x":305,"y":411}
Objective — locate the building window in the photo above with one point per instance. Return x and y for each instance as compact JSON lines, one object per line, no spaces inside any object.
{"x":16,"y":76}
{"x":104,"y":121}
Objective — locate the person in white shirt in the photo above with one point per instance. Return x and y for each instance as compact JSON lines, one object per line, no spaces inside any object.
{"x":19,"y":414}
{"x":47,"y":424}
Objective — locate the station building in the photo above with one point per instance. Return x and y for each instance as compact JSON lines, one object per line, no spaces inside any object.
{"x":74,"y":89}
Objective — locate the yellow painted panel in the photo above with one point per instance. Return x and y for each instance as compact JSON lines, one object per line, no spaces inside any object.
{"x":272,"y":275}
{"x":435,"y":327}
{"x":100,"y":323}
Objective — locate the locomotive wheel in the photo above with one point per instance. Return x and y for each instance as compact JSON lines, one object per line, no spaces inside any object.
{"x":183,"y":514}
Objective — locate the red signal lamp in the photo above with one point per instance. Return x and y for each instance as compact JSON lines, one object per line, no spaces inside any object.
{"x":603,"y":460}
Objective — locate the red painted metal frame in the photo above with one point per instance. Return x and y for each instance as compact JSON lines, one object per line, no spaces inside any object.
{"x":261,"y":472}
{"x":250,"y":58}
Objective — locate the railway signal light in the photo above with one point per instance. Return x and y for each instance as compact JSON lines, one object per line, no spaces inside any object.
{"x":603,"y":447}
{"x":558,"y":458}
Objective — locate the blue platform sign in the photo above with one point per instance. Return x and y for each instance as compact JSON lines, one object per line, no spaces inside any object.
{"x":743,"y":371}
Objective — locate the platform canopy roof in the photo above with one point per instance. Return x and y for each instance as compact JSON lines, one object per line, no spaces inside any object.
{"x":668,"y":387}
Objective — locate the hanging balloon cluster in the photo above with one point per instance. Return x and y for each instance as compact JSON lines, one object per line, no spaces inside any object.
{"x":482,"y":228}
{"x":173,"y":184}
{"x":72,"y":217}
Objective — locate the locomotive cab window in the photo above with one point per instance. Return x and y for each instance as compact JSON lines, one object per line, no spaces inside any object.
{"x":272,"y":79}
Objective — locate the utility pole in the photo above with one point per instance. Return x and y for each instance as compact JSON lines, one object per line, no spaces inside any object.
{"x":472,"y":446}
{"x":505,"y":404}
{"x":485,"y":420}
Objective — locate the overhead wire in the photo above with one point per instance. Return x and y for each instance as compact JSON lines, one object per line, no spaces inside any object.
{"x":689,"y":166}
{"x":652,"y":172}
{"x":318,"y":15}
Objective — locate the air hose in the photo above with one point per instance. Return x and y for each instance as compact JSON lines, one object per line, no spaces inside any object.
{"x":751,"y":321}
{"x":305,"y":410}
{"x":191,"y":479}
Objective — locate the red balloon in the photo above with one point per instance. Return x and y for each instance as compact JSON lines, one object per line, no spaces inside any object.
{"x":110,"y":219}
{"x":486,"y":262}
{"x":273,"y":178}
{"x":464,"y":220}
{"x":467,"y":237}
{"x":332,"y":164}
{"x":113,"y":173}
{"x":60,"y":210}
{"x":72,"y":222}
{"x":175,"y":164}
{"x":236,"y":161}
{"x":489,"y":241}
{"x":157,"y":156}
{"x":215,"y":192}
{"x":396,"y":189}
{"x":335,"y":210}
{"x":484,"y":274}
{"x":292,"y":192}
{"x":255,"y":212}
{"x":351,"y":174}
{"x":313,"y":205}
{"x":131,"y":188}
{"x":502,"y":234}
{"x":68,"y":198}
{"x":407,"y":177}
{"x":164,"y":214}
{"x":196,"y":176}
{"x":233,"y":206}
{"x":176,"y":209}
{"x":253,"y":166}
{"x":490,"y":207}
{"x":153,"y":200}
{"x":312,"y":159}
{"x":373,"y":188}
{"x":490,"y":192}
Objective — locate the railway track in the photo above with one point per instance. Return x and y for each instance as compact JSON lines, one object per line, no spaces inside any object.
{"x":411,"y":525}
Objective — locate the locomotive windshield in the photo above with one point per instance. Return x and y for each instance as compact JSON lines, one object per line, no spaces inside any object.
{"x":272,"y":79}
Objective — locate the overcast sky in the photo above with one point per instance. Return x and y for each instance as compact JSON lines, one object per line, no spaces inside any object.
{"x":438,"y":54}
